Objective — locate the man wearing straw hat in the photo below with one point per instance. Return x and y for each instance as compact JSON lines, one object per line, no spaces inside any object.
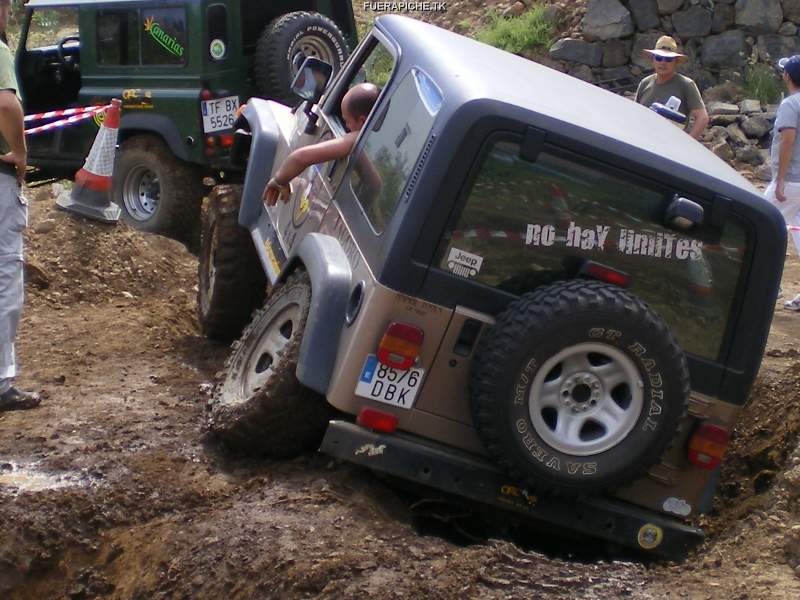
{"x":13,"y":220}
{"x":666,"y":82}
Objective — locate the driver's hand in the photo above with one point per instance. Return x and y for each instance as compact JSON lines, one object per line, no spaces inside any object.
{"x":276,"y":191}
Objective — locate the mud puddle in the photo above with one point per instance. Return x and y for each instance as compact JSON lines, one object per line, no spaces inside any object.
{"x":18,"y":479}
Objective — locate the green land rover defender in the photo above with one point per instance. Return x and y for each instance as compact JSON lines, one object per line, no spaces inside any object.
{"x":181,"y":68}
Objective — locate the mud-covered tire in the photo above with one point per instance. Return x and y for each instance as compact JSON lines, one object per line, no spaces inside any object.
{"x":283,"y":45}
{"x":260,"y":407}
{"x":155,"y":191}
{"x":231,"y":280}
{"x":578,"y":388}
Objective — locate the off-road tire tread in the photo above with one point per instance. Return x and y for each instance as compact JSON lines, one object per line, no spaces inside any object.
{"x":533,"y":311}
{"x":283,"y":419}
{"x":270,"y":56}
{"x":181,"y":203}
{"x":240,"y":283}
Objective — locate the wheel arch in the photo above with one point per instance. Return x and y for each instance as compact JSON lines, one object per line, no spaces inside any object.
{"x":327,"y":266}
{"x":160,"y":126}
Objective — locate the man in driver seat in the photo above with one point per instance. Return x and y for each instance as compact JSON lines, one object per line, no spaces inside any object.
{"x":356,"y":106}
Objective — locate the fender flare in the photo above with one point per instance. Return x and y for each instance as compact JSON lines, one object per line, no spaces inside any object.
{"x":329,"y":270}
{"x":265,"y":135}
{"x":159,"y":125}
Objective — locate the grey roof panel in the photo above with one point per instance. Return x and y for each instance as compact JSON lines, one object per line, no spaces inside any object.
{"x":470,"y":70}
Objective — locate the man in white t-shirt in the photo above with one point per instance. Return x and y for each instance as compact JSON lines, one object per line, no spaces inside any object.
{"x":784,"y":189}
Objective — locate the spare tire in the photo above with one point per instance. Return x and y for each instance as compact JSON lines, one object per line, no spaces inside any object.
{"x":286,"y":42}
{"x":578,"y":388}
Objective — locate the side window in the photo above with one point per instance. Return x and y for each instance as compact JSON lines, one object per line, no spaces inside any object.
{"x":164,"y":36}
{"x":50,"y":26}
{"x":375,"y":68}
{"x":392,"y":146}
{"x":118,"y":37}
{"x":527,"y":224}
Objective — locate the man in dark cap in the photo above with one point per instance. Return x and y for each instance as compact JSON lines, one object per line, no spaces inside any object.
{"x":784,"y":189}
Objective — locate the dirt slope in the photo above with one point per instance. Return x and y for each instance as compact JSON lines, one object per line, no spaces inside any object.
{"x":108,"y":491}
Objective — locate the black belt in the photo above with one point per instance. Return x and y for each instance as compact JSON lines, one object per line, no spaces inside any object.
{"x":8,"y":169}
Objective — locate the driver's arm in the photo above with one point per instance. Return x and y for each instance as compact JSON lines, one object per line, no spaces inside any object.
{"x":302,"y":158}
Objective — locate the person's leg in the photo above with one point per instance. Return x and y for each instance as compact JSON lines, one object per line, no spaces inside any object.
{"x":790,"y":210}
{"x":13,"y":219}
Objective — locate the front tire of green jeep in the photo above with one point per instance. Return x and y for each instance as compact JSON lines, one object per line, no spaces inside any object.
{"x":231,"y":281}
{"x":157,"y":192}
{"x":578,"y":388}
{"x":260,"y":407}
{"x":286,"y":42}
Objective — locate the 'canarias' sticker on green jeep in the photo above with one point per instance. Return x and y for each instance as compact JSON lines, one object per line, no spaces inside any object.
{"x":170,"y":44}
{"x":654,"y":244}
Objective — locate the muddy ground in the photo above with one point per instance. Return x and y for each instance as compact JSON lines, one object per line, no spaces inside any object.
{"x":108,"y":490}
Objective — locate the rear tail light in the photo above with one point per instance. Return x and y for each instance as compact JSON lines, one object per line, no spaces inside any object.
{"x":707,"y":446}
{"x":226,"y":140}
{"x":400,"y":346}
{"x":211,"y":141}
{"x":604,"y":273}
{"x":206,"y":95}
{"x":377,"y":420}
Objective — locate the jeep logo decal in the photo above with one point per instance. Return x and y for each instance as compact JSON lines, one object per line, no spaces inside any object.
{"x":463,"y":263}
{"x":162,"y":37}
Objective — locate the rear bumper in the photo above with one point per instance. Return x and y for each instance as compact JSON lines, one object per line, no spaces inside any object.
{"x":470,"y":477}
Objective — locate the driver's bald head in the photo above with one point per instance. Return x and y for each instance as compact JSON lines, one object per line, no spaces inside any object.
{"x":360,"y":99}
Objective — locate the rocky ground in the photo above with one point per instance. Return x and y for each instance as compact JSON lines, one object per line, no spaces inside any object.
{"x":108,"y":490}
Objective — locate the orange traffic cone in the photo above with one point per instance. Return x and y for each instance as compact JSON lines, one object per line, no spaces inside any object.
{"x":91,"y":194}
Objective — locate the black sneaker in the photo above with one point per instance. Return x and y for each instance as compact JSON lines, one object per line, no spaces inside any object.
{"x":14,"y":399}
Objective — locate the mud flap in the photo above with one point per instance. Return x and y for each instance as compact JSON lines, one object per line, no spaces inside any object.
{"x":471,"y":477}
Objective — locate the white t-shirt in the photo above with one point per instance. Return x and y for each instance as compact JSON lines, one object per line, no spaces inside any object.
{"x":788,"y":116}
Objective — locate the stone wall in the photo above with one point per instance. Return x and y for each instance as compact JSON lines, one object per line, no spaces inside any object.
{"x":718,"y":36}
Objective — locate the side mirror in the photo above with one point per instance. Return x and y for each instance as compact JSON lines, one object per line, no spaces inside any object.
{"x":683,"y":214}
{"x":311,"y":79}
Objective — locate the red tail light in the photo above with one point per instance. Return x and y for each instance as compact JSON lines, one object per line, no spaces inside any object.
{"x":400,"y":346}
{"x":377,"y":420}
{"x":211,"y":141}
{"x":206,"y":95}
{"x":607,"y":274}
{"x":707,"y":446}
{"x":226,"y":140}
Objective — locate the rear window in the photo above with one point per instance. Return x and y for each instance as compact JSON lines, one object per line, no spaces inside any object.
{"x":525,"y":224}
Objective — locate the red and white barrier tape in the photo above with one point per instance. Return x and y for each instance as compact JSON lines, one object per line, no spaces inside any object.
{"x":68,"y":121}
{"x":63,"y":113}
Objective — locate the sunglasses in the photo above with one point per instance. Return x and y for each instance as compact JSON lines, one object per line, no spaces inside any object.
{"x":663,"y":58}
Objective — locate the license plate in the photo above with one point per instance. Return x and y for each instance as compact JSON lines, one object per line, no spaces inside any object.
{"x":219,"y":113}
{"x":390,"y":386}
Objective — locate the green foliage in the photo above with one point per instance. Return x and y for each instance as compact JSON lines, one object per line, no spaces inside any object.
{"x":762,"y":82}
{"x":531,"y":30}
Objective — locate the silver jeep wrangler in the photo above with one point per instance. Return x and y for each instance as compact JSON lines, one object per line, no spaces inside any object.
{"x":519,"y":289}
